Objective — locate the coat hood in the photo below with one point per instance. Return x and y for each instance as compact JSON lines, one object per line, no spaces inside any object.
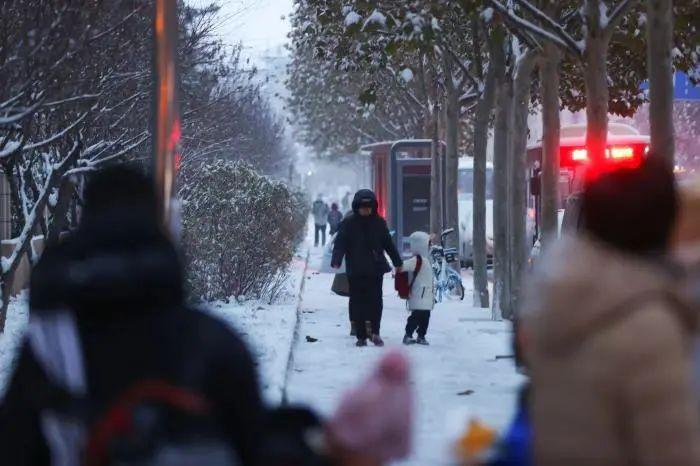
{"x":115,"y":263}
{"x":580,"y":284}
{"x":362,"y":196}
{"x":420,"y":244}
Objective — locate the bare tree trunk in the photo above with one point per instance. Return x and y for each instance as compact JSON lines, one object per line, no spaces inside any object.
{"x":60,"y":212}
{"x":659,"y":45}
{"x":549,"y":89}
{"x":436,"y":219}
{"x":595,"y":72}
{"x":431,"y":112}
{"x":518,"y":176}
{"x":451,"y":175}
{"x":501,"y":153}
{"x":24,"y":240}
{"x":481,"y":135}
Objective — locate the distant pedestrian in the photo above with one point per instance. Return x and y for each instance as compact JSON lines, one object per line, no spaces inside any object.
{"x":334,"y":218}
{"x":608,"y":336}
{"x":320,"y":212}
{"x":421,"y":298}
{"x":362,"y":240}
{"x":345,"y":202}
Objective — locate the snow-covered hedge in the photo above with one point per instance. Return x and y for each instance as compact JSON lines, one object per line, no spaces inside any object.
{"x":240,"y":230}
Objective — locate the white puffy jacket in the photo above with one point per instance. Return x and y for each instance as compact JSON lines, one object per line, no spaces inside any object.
{"x":422,"y":295}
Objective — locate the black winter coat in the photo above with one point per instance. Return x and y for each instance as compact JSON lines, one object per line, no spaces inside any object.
{"x":362,"y":241}
{"x":132,"y":327}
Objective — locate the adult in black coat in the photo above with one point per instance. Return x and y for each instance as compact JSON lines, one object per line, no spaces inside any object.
{"x":363,"y":238}
{"x":120,"y":280}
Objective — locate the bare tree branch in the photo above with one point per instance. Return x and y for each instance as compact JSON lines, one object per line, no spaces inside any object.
{"x":56,"y":136}
{"x":548,"y":21}
{"x":519,"y":22}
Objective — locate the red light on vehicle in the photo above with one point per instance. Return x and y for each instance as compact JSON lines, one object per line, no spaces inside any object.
{"x":620,"y":153}
{"x":579,"y":155}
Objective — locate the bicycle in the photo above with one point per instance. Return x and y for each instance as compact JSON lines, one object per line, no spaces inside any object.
{"x":448,"y":282}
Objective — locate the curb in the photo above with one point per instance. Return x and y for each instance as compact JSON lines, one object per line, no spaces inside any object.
{"x":295,"y":334}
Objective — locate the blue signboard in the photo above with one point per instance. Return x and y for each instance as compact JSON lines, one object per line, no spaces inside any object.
{"x":684,"y":89}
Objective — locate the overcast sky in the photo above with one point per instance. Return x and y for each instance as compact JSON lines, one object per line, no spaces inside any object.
{"x":258,"y":24}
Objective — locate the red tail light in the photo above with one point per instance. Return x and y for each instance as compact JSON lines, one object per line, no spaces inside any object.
{"x":579,"y":155}
{"x":620,"y":153}
{"x":629,"y":154}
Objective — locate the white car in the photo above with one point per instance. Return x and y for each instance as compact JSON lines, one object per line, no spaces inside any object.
{"x":465,"y":188}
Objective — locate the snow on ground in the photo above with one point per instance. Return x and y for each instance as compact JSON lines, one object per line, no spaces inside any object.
{"x":455,"y":376}
{"x":269,"y":329}
{"x":458,"y":375}
{"x":11,"y":338}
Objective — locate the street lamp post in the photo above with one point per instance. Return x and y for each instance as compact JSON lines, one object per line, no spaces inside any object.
{"x":166,"y":127}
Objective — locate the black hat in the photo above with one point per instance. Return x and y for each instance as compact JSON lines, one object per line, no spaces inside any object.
{"x":364,"y":198}
{"x":633,"y":209}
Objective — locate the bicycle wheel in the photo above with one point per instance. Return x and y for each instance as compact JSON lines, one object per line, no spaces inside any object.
{"x":455,"y":289}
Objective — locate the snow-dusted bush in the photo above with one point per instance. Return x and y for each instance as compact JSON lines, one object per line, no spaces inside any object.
{"x":240,"y":230}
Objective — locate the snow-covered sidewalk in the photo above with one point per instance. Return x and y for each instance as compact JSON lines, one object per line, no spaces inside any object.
{"x":269,"y":328}
{"x":455,"y":376}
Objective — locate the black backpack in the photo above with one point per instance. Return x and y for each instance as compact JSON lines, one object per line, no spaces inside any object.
{"x":156,"y":423}
{"x":153,"y":422}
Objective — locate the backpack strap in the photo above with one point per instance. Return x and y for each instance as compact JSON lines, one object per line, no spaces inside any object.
{"x":419,"y":264}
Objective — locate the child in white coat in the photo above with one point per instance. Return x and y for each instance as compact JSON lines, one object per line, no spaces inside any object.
{"x":421,"y":299}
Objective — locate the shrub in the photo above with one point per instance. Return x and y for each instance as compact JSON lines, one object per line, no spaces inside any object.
{"x":240,"y":230}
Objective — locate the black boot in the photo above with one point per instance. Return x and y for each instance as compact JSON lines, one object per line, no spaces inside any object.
{"x":361,"y":342}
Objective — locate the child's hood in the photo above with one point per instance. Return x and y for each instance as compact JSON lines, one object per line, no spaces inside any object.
{"x":420,"y":244}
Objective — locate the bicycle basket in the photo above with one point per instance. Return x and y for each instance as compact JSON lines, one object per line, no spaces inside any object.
{"x":451,"y":255}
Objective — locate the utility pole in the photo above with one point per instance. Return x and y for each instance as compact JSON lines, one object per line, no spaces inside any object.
{"x":166,"y":119}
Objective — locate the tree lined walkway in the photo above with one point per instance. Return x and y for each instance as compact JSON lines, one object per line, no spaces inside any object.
{"x":458,"y":373}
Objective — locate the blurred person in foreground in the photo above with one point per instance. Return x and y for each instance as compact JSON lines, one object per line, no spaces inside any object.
{"x":608,"y":336}
{"x":107,"y":313}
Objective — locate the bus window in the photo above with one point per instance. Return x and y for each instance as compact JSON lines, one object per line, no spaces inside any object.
{"x":466,"y":183}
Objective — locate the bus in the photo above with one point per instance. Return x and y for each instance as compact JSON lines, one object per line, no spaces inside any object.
{"x":626,"y":147}
{"x":466,"y":215}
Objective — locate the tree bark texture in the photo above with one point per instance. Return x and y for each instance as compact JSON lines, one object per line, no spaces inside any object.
{"x":436,"y":207}
{"x":451,"y":175}
{"x":519,"y":245}
{"x":551,"y":125}
{"x":595,"y":72}
{"x":659,"y":63}
{"x":501,"y":154}
{"x":481,"y":133}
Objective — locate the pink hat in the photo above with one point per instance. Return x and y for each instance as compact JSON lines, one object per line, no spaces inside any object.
{"x":376,"y":416}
